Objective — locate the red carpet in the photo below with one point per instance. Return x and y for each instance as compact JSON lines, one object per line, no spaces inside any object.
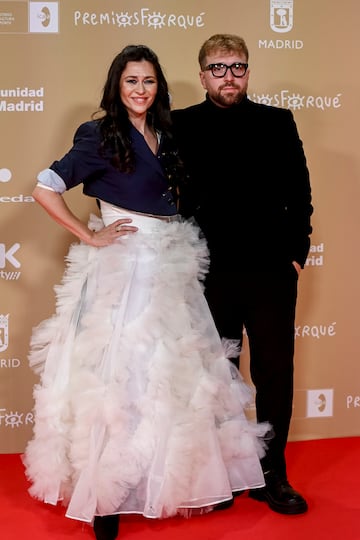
{"x":326,"y":472}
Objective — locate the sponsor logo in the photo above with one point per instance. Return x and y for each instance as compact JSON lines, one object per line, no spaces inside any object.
{"x":281,"y":15}
{"x":144,"y":17}
{"x":23,"y":17}
{"x":295,"y":102}
{"x":8,"y":255}
{"x":43,"y":17}
{"x":4,"y":332}
{"x":13,"y":17}
{"x":281,"y":21}
{"x":280,"y":44}
{"x":5,"y":175}
{"x":6,"y":363}
{"x":320,"y":403}
{"x":23,"y":99}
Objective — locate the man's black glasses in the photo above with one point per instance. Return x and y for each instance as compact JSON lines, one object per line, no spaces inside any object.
{"x":238,"y":69}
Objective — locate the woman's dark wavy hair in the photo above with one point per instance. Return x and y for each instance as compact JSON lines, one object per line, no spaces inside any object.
{"x":115,"y":124}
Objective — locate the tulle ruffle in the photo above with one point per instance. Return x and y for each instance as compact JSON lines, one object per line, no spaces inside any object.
{"x":138,"y":409}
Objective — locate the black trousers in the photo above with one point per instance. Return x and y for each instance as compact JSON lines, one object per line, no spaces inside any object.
{"x":264,"y":304}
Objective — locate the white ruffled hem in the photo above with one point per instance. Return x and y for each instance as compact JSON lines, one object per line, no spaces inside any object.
{"x":138,"y":410}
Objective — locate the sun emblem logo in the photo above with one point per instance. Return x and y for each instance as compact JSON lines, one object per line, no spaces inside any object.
{"x":156,"y":20}
{"x":13,"y":419}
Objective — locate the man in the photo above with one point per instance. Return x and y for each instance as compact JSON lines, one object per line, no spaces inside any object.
{"x":248,"y":188}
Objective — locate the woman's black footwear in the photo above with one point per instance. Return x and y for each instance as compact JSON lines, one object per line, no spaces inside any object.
{"x":106,"y":527}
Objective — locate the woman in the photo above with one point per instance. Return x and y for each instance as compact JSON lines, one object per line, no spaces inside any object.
{"x":137,"y":409}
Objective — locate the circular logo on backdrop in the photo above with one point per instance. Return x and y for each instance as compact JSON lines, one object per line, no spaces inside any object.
{"x":5,"y":175}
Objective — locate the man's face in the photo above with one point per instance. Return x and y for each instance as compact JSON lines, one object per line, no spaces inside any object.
{"x":229,"y":89}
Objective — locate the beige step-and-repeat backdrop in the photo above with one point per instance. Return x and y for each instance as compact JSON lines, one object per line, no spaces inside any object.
{"x":304,"y":56}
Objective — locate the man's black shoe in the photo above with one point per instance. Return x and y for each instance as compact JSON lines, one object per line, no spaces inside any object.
{"x":280,"y":496}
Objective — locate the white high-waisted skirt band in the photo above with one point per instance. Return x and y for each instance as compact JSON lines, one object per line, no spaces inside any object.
{"x":138,"y":409}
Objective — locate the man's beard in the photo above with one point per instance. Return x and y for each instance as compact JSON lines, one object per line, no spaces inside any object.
{"x":227,"y":100}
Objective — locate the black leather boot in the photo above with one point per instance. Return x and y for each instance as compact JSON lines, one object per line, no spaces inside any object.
{"x":279,"y":495}
{"x":106,"y":527}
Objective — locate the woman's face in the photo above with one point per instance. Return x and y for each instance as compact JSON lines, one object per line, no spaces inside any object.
{"x":138,"y":87}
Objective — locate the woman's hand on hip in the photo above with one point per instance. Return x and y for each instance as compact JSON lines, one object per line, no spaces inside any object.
{"x":111,"y":233}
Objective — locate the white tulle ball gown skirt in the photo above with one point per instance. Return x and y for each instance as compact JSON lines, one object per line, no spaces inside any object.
{"x":137,"y":409}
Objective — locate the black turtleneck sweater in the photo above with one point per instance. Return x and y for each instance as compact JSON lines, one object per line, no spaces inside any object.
{"x":247,"y":185}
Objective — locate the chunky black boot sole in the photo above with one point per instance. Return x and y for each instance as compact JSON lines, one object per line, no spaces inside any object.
{"x":289,"y":508}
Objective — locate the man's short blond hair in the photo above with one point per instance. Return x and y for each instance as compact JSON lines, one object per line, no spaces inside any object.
{"x":224,"y":43}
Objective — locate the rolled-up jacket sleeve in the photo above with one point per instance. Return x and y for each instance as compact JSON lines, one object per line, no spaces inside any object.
{"x":81,"y":163}
{"x":49,"y":179}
